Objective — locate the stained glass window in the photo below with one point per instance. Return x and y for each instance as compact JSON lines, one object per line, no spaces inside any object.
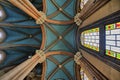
{"x":83,"y":2}
{"x":83,"y":75}
{"x":113,"y":40}
{"x":90,"y":39}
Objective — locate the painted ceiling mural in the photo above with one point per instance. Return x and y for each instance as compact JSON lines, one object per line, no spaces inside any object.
{"x":24,"y":36}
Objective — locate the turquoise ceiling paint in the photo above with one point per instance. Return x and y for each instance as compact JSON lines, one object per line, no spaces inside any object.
{"x":71,"y":8}
{"x":60,"y":28}
{"x":70,"y":37}
{"x":50,"y":67}
{"x":60,"y":17}
{"x":58,"y":57}
{"x":54,"y":71}
{"x":59,"y":31}
{"x":59,"y":2}
{"x":66,"y":43}
{"x":70,"y":66}
{"x":50,"y":8}
{"x":60,"y":46}
{"x":11,"y":35}
{"x":18,"y":26}
{"x":67,"y":6}
{"x":57,"y":66}
{"x":50,"y":38}
{"x":59,"y":76}
{"x":13,"y":16}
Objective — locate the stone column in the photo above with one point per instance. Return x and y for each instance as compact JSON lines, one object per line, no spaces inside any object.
{"x":28,"y":7}
{"x":20,"y":72}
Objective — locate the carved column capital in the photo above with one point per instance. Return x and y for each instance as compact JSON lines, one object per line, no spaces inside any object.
{"x":77,"y":56}
{"x":41,"y":19}
{"x":77,"y":20}
{"x":41,"y":55}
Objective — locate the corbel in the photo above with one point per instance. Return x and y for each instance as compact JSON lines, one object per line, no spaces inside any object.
{"x":77,"y":19}
{"x":41,"y":19}
{"x":77,"y":57}
{"x":42,"y":55}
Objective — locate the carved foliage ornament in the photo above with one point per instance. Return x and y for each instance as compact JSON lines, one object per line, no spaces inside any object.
{"x":77,"y":57}
{"x":41,"y":19}
{"x":41,"y":55}
{"x":77,"y":20}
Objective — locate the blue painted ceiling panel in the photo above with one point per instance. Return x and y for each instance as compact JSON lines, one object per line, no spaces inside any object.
{"x":50,"y":67}
{"x":70,"y":68}
{"x":50,"y":7}
{"x":71,"y":8}
{"x":60,"y":58}
{"x":20,"y":42}
{"x":61,"y":17}
{"x":59,"y":75}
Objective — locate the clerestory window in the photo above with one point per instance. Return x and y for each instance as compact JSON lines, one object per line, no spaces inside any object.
{"x":102,"y":39}
{"x":113,"y":40}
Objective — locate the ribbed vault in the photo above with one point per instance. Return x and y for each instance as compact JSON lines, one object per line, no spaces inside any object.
{"x":58,"y":41}
{"x":23,"y":36}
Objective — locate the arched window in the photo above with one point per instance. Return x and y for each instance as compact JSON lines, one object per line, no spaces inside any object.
{"x":102,"y":39}
{"x":113,"y":40}
{"x":90,"y":39}
{"x":83,"y":75}
{"x":82,"y":3}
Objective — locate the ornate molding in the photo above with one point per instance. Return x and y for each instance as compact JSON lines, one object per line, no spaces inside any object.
{"x":41,"y":55}
{"x":22,"y":70}
{"x":77,"y":20}
{"x":41,"y":19}
{"x":77,"y":57}
{"x":94,"y":72}
{"x":91,"y":7}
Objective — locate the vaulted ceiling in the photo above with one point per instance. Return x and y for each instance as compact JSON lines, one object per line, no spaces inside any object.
{"x":57,"y":39}
{"x":23,"y":36}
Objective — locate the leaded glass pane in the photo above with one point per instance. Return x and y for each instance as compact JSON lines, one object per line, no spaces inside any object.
{"x":113,"y":40}
{"x":83,"y":2}
{"x":90,"y":39}
{"x":83,"y":75}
